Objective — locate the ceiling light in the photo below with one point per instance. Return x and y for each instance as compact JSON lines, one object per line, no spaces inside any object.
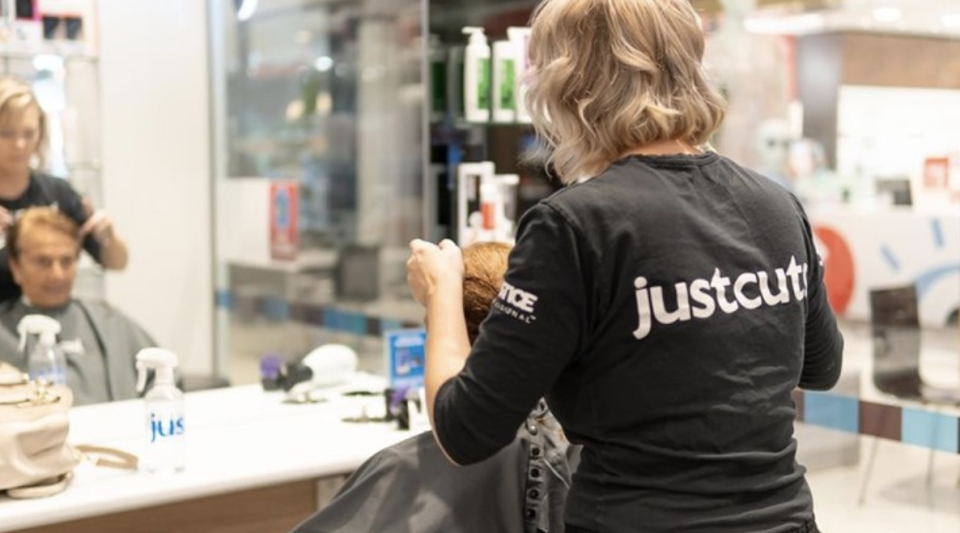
{"x":245,"y":9}
{"x":950,"y":20}
{"x":886,"y":14}
{"x":790,"y":25}
{"x":323,"y":63}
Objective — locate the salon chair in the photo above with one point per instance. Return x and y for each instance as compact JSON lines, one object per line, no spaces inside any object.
{"x":896,"y":335}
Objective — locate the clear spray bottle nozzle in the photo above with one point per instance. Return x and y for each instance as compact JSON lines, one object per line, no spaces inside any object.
{"x":44,"y":327}
{"x":161,"y":361}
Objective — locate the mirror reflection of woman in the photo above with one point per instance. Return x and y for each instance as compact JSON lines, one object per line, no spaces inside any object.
{"x":23,"y":142}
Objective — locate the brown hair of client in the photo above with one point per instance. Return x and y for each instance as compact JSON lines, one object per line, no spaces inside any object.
{"x":39,"y":216}
{"x":484,"y":265}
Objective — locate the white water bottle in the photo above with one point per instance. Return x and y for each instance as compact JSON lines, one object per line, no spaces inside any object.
{"x":38,"y":338}
{"x":165,"y":450}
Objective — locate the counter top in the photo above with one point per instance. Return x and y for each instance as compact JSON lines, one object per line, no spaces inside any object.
{"x":237,"y":438}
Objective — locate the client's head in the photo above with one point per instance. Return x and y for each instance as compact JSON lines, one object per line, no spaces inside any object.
{"x":484,"y":265}
{"x":43,"y":245}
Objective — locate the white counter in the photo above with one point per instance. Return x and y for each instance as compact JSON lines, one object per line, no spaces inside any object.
{"x":238,"y":438}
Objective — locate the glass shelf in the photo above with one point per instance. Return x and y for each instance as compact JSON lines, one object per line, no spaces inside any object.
{"x":65,"y":49}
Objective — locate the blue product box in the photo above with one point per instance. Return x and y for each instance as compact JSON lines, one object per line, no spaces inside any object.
{"x":405,"y":357}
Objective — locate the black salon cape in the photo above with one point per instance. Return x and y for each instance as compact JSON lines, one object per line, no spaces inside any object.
{"x":411,"y":487}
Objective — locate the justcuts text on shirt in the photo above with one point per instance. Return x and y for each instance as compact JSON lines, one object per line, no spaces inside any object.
{"x":702,"y":297}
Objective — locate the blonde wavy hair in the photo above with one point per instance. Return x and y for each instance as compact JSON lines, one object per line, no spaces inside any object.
{"x":611,"y":76}
{"x":15,"y":98}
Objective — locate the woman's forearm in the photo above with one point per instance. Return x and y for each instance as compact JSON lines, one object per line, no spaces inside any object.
{"x":447,"y":343}
{"x":113,"y":254}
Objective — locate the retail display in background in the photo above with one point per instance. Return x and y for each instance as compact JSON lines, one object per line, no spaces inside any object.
{"x":27,"y":9}
{"x":470,"y":176}
{"x":29,"y":24}
{"x":486,"y":204}
{"x":63,"y":19}
{"x":478,"y":124}
{"x":480,"y":82}
{"x":165,"y":447}
{"x":284,"y":220}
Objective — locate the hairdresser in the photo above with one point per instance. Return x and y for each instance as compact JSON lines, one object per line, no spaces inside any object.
{"x":23,"y":143}
{"x":666,"y":306}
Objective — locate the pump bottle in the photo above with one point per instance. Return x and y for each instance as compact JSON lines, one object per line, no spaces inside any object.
{"x":38,"y":339}
{"x":165,"y":450}
{"x":476,"y":76}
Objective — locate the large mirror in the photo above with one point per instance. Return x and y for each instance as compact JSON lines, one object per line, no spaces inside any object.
{"x":322,"y":108}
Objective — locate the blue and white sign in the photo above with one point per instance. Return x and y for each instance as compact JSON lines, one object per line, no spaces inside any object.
{"x":405,"y":356}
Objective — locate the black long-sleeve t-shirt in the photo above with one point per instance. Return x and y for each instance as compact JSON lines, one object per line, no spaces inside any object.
{"x":666,"y":309}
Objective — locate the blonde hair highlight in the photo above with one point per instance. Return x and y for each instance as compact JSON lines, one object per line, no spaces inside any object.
{"x":15,"y":98}
{"x":610,"y":76}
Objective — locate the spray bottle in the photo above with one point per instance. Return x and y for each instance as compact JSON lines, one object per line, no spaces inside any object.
{"x":38,"y":340}
{"x":165,"y":448}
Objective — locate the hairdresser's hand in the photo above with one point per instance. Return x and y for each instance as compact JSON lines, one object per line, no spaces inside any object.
{"x":6,"y":219}
{"x":434,"y":269}
{"x":98,"y":224}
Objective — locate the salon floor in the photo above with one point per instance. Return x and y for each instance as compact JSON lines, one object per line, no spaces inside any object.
{"x":897,"y":497}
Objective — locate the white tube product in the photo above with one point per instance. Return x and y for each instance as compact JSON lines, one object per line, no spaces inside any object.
{"x":470,"y":177}
{"x":476,"y":76}
{"x":520,"y":38}
{"x":490,"y":207}
{"x":506,"y":208}
{"x":503,"y":83}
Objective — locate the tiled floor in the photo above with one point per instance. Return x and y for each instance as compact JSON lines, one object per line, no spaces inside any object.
{"x":897,"y":497}
{"x":897,"y":500}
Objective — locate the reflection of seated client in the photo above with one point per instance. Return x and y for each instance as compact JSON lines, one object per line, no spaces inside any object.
{"x":411,"y":486}
{"x":99,"y":342}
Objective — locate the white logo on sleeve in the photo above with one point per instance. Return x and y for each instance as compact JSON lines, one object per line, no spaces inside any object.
{"x":72,"y":347}
{"x":517,"y":303}
{"x":702,"y":297}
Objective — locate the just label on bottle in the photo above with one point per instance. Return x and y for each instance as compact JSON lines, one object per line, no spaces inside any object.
{"x":161,"y":427}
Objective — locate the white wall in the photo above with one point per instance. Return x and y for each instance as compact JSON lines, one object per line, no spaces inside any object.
{"x":156,"y":168}
{"x":243,"y":225}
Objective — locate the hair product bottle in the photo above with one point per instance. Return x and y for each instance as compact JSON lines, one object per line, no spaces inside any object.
{"x":476,"y":76}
